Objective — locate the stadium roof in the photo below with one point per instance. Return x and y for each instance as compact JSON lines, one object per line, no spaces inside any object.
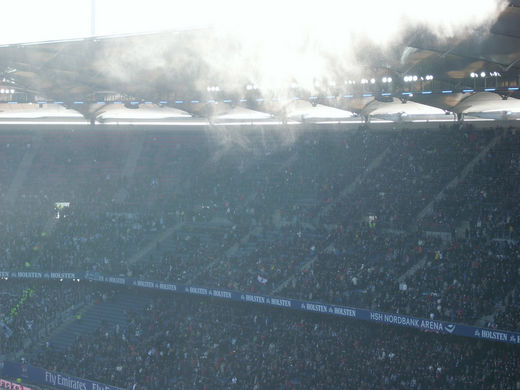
{"x":173,"y":80}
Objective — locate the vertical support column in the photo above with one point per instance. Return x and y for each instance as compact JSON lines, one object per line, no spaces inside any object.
{"x":93,"y":18}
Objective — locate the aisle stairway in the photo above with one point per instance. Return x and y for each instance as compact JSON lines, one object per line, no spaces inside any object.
{"x":22,"y":170}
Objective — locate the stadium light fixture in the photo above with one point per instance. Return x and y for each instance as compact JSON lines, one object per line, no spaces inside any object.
{"x":414,"y":78}
{"x":364,"y":81}
{"x":372,"y":81}
{"x":483,"y":74}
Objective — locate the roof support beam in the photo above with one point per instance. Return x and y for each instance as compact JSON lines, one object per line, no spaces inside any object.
{"x":465,"y":56}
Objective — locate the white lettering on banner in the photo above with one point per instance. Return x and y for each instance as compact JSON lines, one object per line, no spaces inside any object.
{"x":413,"y":322}
{"x":166,"y":286}
{"x":493,"y":335}
{"x":221,"y":294}
{"x":71,"y":383}
{"x":376,"y":316}
{"x":115,"y":280}
{"x":316,"y":307}
{"x":280,"y":302}
{"x":344,"y":312}
{"x":50,"y":378}
{"x":400,"y":320}
{"x":62,"y":275}
{"x":199,"y":291}
{"x":29,"y":274}
{"x":255,"y":298}
{"x":432,"y":325}
{"x":4,"y":274}
{"x":143,"y":283}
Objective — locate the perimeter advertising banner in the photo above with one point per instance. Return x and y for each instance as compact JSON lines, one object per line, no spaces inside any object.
{"x":42,"y":377}
{"x":286,"y":303}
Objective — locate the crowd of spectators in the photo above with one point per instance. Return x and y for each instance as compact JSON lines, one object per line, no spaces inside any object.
{"x":274,"y":217}
{"x":418,"y":165}
{"x":486,"y":201}
{"x":463,"y":278}
{"x":360,"y":267}
{"x":303,"y":219}
{"x":508,"y":317}
{"x":192,"y":343}
{"x":28,"y":309}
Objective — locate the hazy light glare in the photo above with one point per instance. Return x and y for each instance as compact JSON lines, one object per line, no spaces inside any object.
{"x":277,"y":42}
{"x":60,"y":19}
{"x":44,"y":20}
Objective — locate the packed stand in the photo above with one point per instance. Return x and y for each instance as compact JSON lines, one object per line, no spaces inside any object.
{"x":360,"y":267}
{"x":418,"y":166}
{"x":460,"y":281}
{"x":27,"y":309}
{"x":508,"y":317}
{"x":268,"y":216}
{"x":286,"y":191}
{"x":486,"y":202}
{"x":193,"y":343}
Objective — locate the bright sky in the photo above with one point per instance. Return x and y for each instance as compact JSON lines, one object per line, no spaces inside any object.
{"x":37,"y":20}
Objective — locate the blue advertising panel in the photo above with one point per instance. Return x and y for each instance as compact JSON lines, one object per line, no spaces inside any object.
{"x":42,"y":377}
